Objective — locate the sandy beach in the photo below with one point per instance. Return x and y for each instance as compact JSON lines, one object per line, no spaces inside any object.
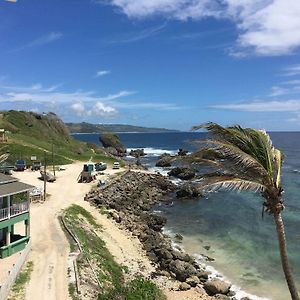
{"x":50,"y":248}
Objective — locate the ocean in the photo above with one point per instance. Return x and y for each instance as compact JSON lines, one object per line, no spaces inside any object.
{"x":228,"y":226}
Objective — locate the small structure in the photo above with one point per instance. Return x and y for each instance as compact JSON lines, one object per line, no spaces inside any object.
{"x":14,"y":208}
{"x":87,"y":173}
{"x":3,"y":137}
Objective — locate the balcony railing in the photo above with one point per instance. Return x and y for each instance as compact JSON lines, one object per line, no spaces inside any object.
{"x":14,"y":210}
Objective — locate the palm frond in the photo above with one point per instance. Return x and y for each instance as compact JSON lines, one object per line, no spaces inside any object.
{"x":237,"y":158}
{"x":224,"y":182}
{"x":278,"y":160}
{"x":253,"y":142}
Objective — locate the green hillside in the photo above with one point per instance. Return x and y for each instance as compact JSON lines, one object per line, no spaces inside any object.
{"x":29,"y":134}
{"x":101,"y":128}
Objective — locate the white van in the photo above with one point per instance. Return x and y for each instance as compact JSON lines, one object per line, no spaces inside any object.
{"x":116,"y":165}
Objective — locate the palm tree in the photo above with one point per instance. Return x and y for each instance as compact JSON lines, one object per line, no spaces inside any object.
{"x":249,"y":162}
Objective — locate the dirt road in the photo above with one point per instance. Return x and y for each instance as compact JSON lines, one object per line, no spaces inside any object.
{"x":50,"y":247}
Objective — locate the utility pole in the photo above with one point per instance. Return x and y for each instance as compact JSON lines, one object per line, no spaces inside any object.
{"x":53,"y":160}
{"x":45,"y":177}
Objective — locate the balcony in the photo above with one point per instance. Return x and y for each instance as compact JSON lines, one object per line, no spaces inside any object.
{"x":14,"y":210}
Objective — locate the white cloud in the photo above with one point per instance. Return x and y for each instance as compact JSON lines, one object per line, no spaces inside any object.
{"x":292,"y":70}
{"x":266,"y":27}
{"x":78,"y":108}
{"x":278,"y":91}
{"x":43,"y":40}
{"x":292,"y":82}
{"x":292,"y":105}
{"x":117,"y":95}
{"x":102,"y":110}
{"x":102,"y":73}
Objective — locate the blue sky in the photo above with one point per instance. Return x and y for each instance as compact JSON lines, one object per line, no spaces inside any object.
{"x":162,"y":63}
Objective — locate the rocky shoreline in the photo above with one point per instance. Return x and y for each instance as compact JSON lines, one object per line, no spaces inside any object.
{"x":129,"y":200}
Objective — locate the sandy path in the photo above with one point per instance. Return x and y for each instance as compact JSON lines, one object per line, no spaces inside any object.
{"x":50,"y":248}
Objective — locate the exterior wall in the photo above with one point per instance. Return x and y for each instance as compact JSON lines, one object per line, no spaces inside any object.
{"x":1,"y":234}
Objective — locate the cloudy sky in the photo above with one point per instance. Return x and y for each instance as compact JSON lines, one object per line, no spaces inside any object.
{"x":163,"y":63}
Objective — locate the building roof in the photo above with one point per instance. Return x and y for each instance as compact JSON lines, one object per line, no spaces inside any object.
{"x":14,"y":188}
{"x":4,"y":179}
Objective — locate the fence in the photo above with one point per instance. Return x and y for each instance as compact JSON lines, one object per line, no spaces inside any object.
{"x":10,"y":280}
{"x":14,"y":210}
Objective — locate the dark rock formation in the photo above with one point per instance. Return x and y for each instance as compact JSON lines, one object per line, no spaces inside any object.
{"x":164,"y":161}
{"x":112,"y":141}
{"x":183,"y":173}
{"x":183,"y":152}
{"x":188,"y":191}
{"x":137,"y":153}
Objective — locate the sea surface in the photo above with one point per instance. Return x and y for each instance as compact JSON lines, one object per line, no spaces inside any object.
{"x":229,"y":224}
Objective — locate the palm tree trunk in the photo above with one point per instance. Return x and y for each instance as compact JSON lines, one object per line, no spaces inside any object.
{"x":284,"y":257}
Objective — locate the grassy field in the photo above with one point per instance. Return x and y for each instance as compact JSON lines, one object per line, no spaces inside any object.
{"x":30,"y":134}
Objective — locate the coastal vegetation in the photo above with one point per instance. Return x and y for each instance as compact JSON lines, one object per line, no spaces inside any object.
{"x":100,"y":275}
{"x":32,"y":134}
{"x":18,"y":290}
{"x":249,"y":162}
{"x":102,"y":128}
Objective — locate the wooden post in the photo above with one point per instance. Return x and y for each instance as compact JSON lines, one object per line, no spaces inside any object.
{"x":53,"y":161}
{"x":45,"y":177}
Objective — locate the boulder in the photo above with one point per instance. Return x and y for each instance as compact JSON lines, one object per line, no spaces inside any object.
{"x":188,"y":191}
{"x":182,"y":152}
{"x":193,"y":281}
{"x":154,"y":222}
{"x":183,"y":173}
{"x":137,"y":153}
{"x":182,"y":269}
{"x":222,"y":297}
{"x":216,"y":286}
{"x":164,"y":161}
{"x":184,"y":286}
{"x":181,"y":256}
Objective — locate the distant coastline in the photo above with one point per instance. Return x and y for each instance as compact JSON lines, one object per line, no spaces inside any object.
{"x":88,"y":128}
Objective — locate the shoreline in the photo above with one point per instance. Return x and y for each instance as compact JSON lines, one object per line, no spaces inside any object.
{"x":138,"y":219}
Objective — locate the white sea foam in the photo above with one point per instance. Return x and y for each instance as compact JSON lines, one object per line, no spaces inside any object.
{"x":154,"y":151}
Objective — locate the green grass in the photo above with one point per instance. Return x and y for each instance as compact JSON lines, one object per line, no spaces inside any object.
{"x":18,"y":289}
{"x":109,"y":273}
{"x":72,"y":291}
{"x":30,"y":134}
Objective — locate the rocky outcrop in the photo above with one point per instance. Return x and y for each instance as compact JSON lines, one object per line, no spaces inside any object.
{"x":112,"y":142}
{"x":137,"y":153}
{"x":182,"y":152}
{"x":164,"y":161}
{"x":188,"y":191}
{"x":129,"y":200}
{"x":183,"y":173}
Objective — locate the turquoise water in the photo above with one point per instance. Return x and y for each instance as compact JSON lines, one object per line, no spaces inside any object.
{"x":243,"y":244}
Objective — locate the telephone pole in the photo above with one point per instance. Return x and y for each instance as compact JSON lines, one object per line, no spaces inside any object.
{"x":45,"y":177}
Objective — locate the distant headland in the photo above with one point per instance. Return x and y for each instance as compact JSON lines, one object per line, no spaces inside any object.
{"x":100,"y":128}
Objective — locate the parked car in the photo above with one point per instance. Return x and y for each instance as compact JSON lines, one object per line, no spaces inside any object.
{"x":20,"y":165}
{"x":101,"y":166}
{"x":36,"y":166}
{"x":116,"y":165}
